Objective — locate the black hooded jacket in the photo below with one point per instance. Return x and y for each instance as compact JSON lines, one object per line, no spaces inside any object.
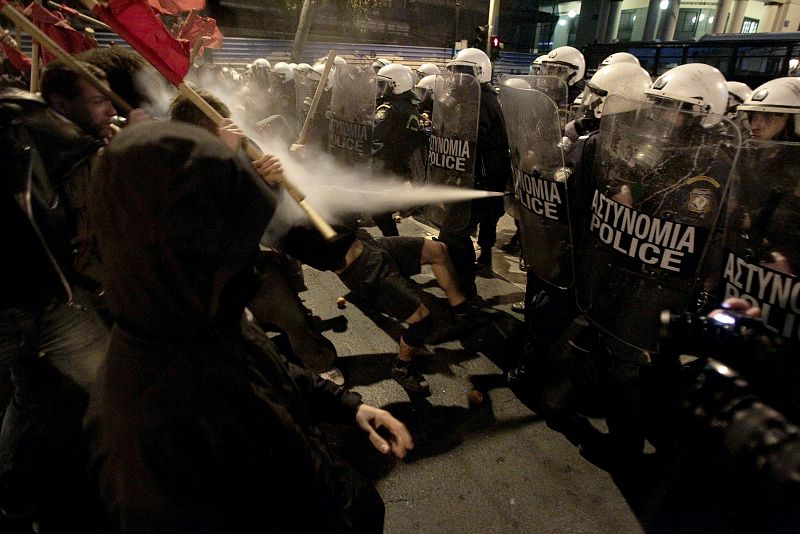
{"x":197,"y":428}
{"x":40,"y":151}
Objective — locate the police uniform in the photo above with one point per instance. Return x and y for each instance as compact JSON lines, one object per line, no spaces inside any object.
{"x":398,"y":132}
{"x":492,"y":171}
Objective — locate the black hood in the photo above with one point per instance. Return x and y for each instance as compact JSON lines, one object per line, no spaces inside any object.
{"x":178,"y":217}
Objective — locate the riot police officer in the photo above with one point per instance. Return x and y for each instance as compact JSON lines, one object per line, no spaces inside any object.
{"x":284,"y":78}
{"x":398,"y":129}
{"x":567,"y":63}
{"x":492,"y":171}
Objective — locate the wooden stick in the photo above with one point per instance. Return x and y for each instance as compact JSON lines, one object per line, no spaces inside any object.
{"x":255,"y":153}
{"x":78,"y":14}
{"x":51,"y":46}
{"x":306,"y":131}
{"x":35,"y":66}
{"x":196,"y":49}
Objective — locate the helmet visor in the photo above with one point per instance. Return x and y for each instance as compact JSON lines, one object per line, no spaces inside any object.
{"x":764,"y":125}
{"x":462,"y":68}
{"x":559,"y":70}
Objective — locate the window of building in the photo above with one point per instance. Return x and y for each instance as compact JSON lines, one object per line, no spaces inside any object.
{"x":687,"y":24}
{"x":626,"y":22}
{"x":750,"y":25}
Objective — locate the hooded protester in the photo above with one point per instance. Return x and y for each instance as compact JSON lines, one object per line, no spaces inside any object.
{"x":196,"y":427}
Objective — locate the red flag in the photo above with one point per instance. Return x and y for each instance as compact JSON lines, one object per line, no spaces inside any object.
{"x":196,"y":27}
{"x":58,"y":29}
{"x":137,"y":23}
{"x":14,"y":55}
{"x":176,"y":7}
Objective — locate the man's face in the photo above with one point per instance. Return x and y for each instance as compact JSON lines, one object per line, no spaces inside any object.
{"x":90,"y":110}
{"x":767,"y":126}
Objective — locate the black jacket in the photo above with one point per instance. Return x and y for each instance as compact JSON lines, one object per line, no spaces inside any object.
{"x":493,"y":168}
{"x":397,"y":133}
{"x":197,"y":428}
{"x":40,"y":151}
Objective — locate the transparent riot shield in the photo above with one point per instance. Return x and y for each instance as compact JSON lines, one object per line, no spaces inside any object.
{"x":352,"y":113}
{"x":304,"y":94}
{"x":661,"y":177}
{"x":540,"y":182}
{"x":555,"y":88}
{"x":761,"y":258}
{"x":452,"y":145}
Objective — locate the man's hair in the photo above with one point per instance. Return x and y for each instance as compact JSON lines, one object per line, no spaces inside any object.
{"x":182,"y":109}
{"x":59,"y":79}
{"x":124,"y":67}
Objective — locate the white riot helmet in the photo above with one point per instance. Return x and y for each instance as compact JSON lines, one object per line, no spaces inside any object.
{"x":696,"y":86}
{"x":339,"y":60}
{"x":303,"y":68}
{"x":283,"y":70}
{"x":619,"y":57}
{"x":315,"y":75}
{"x":293,"y":65}
{"x":395,"y":79}
{"x":379,"y":63}
{"x":565,"y":62}
{"x":261,"y":63}
{"x":425,"y":86}
{"x":536,"y":66}
{"x":781,"y":97}
{"x":738,"y":92}
{"x":624,"y":79}
{"x":426,"y":69}
{"x":474,"y":62}
{"x":261,"y":68}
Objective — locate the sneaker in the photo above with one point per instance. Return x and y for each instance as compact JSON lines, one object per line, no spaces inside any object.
{"x":333,"y":375}
{"x":523,"y":265}
{"x":518,"y":306}
{"x":411,"y":380}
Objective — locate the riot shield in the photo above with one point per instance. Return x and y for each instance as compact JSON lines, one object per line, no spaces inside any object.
{"x":304,"y":94}
{"x":555,"y":88}
{"x":352,"y":113}
{"x":661,"y":177}
{"x":452,"y":145}
{"x":540,"y":182}
{"x":761,"y":258}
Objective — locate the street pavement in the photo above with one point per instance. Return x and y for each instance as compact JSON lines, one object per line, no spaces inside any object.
{"x":494,"y":467}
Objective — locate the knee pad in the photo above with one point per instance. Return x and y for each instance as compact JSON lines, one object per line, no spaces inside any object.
{"x":417,"y":333}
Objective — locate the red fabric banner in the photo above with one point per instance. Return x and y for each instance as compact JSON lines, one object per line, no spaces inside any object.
{"x":176,"y":7}
{"x":58,"y":29}
{"x":137,"y":23}
{"x":14,"y":55}
{"x":196,"y":27}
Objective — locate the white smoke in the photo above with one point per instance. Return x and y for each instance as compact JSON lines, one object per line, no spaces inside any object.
{"x":333,"y":189}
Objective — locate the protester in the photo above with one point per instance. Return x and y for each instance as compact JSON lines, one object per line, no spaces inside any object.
{"x":196,"y":428}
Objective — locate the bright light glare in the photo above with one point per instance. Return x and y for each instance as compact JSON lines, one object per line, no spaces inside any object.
{"x":711,"y":19}
{"x":694,"y":19}
{"x":724,"y":318}
{"x":571,"y":14}
{"x":664,"y":4}
{"x":562,"y":22}
{"x":702,"y":16}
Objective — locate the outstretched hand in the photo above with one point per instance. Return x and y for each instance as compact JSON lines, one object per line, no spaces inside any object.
{"x":370,"y":419}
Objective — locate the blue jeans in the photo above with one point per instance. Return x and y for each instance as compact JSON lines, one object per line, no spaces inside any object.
{"x":64,"y":338}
